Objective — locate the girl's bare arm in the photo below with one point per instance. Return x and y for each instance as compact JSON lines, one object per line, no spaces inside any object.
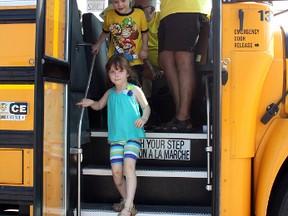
{"x":141,"y":99}
{"x":96,"y":105}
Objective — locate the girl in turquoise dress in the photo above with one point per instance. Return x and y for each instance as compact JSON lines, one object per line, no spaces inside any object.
{"x":125,"y":127}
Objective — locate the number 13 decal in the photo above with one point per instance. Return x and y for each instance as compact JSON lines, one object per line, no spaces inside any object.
{"x":265,"y":15}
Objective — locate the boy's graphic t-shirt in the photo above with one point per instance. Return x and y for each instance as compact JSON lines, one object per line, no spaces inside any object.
{"x":126,"y":33}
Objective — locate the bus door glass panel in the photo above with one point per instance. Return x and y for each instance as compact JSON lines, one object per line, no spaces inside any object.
{"x":55,"y":149}
{"x":55,"y":36}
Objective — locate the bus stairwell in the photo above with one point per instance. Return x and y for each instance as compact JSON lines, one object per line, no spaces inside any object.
{"x":174,"y":174}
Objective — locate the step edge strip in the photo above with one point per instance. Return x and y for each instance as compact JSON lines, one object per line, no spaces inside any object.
{"x":155,"y":135}
{"x":149,"y":173}
{"x":101,"y":213}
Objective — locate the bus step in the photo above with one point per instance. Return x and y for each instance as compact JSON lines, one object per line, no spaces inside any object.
{"x":191,"y":153}
{"x":151,"y":135}
{"x":91,"y":209}
{"x":165,"y":172}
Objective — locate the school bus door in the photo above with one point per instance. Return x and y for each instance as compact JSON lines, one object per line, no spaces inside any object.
{"x":51,"y":109}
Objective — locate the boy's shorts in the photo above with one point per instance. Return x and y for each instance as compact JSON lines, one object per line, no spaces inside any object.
{"x":124,"y":149}
{"x":179,"y":32}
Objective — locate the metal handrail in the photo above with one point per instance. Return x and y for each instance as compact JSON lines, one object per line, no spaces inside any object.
{"x":79,"y":152}
{"x":208,"y":146}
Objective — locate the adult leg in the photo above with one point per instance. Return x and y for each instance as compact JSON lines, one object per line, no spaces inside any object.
{"x":168,"y":64}
{"x":187,"y":82}
{"x":180,"y":39}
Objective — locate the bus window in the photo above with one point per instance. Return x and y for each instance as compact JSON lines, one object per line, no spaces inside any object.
{"x":55,"y":36}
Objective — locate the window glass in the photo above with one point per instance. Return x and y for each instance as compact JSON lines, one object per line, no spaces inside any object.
{"x":55,"y":37}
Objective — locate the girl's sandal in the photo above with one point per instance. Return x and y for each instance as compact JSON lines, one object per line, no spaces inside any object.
{"x":118,"y":206}
{"x":133,"y":211}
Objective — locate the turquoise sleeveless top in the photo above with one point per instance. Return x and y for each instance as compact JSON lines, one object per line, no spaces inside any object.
{"x":123,"y":110}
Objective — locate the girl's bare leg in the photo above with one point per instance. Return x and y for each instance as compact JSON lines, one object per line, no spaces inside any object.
{"x":119,"y":180}
{"x":131,"y":183}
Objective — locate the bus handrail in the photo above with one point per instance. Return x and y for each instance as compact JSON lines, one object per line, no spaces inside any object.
{"x":79,"y":152}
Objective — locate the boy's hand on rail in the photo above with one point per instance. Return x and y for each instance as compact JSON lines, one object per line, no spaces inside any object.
{"x":95,"y":48}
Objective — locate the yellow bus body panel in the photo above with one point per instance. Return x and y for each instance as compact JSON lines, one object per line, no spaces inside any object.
{"x":17,"y":7}
{"x":17,"y":42}
{"x":272,"y":90}
{"x":11,"y":166}
{"x":268,"y":160}
{"x":249,"y":54}
{"x":16,"y":167}
{"x":286,"y":101}
{"x":272,"y":153}
{"x":20,"y":93}
{"x":28,"y":167}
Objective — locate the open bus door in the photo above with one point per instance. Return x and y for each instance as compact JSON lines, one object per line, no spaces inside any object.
{"x":51,"y":109}
{"x":61,"y":76}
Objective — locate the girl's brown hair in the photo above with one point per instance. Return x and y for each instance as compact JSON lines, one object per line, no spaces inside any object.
{"x":120,"y":61}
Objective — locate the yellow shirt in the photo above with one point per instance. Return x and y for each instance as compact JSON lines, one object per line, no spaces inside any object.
{"x":153,"y":40}
{"x":168,"y":7}
{"x":126,"y":33}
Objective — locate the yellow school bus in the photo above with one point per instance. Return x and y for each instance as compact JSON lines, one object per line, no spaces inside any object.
{"x":54,"y":157}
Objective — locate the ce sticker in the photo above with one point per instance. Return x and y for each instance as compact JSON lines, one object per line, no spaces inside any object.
{"x":19,"y":108}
